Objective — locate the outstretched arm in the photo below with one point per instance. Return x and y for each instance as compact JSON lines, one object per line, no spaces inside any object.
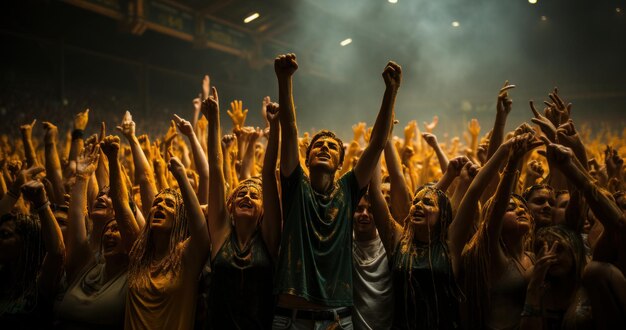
{"x":143,"y":172}
{"x":399,"y":190}
{"x":380,"y":133}
{"x":217,"y":217}
{"x":454,"y":170}
{"x":80,"y":123}
{"x":388,"y":229}
{"x":199,"y":243}
{"x":431,"y":140}
{"x":199,"y":158}
{"x":272,"y":216}
{"x":285,"y":66}
{"x":503,"y":108}
{"x":126,"y":222}
{"x":52,"y":163}
{"x":51,"y":268}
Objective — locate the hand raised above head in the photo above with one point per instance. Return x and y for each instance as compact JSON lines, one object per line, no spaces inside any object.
{"x":183,"y":125}
{"x":212,"y":104}
{"x":81,"y":119}
{"x":110,"y":146}
{"x":392,"y":74}
{"x":272,"y":112}
{"x":285,"y":65}
{"x":127,"y":127}
{"x":51,"y":132}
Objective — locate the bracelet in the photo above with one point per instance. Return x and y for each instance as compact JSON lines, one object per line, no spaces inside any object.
{"x":531,"y":311}
{"x":77,"y":134}
{"x":42,"y":207}
{"x":13,"y":194}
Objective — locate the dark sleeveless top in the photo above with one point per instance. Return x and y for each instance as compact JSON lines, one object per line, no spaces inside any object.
{"x":424,"y":288}
{"x":240,"y":294}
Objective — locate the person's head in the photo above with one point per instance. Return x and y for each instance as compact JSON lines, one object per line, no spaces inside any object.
{"x":363,"y":219}
{"x":22,"y":252}
{"x":167,"y":218}
{"x":558,"y":212}
{"x":112,"y":241}
{"x":245,"y":203}
{"x":518,"y":219}
{"x":102,"y":206}
{"x":325,"y":152}
{"x":570,"y":251}
{"x":541,"y":200}
{"x":430,"y":212}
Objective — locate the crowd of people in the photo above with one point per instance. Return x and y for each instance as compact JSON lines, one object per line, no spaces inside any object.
{"x":272,"y":228}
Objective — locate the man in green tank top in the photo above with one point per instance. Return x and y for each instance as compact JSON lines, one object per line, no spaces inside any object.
{"x":314,"y":271}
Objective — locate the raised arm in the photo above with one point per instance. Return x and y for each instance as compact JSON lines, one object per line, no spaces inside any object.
{"x":399,"y":190}
{"x":52,"y":163}
{"x":285,"y":66}
{"x":388,"y":229}
{"x":250,"y":135}
{"x":52,"y":266}
{"x":217,"y":214}
{"x":503,"y":108}
{"x":199,"y":158}
{"x":126,"y":222}
{"x":272,"y":216}
{"x":78,"y":250}
{"x":380,"y":133}
{"x":454,"y":170}
{"x":80,"y":123}
{"x":27,"y":138}
{"x":431,"y":140}
{"x":143,"y":172}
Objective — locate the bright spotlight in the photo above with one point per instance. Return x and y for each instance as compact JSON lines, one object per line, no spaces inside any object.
{"x":532,"y":2}
{"x":346,"y":42}
{"x":251,"y":18}
{"x":618,"y":10}
{"x":393,"y":1}
{"x":456,"y":24}
{"x":544,"y":18}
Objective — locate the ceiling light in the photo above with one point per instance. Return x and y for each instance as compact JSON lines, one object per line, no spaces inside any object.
{"x":532,"y":2}
{"x":456,"y":24}
{"x":251,"y":18}
{"x":618,"y":10}
{"x":346,"y":42}
{"x":393,"y":1}
{"x":544,"y":18}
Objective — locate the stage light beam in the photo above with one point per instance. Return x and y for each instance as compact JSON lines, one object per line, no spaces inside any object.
{"x":532,"y":2}
{"x":346,"y":42}
{"x":251,"y":18}
{"x":456,"y":24}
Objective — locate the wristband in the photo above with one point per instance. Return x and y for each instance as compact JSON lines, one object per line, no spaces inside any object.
{"x":77,"y":134}
{"x":42,"y":207}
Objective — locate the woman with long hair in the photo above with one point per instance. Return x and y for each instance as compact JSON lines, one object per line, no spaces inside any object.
{"x":245,"y":234}
{"x":167,"y":259}
{"x":97,"y":280}
{"x":495,"y":262}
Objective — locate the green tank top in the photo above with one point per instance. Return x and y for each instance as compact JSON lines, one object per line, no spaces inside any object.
{"x":315,"y":259}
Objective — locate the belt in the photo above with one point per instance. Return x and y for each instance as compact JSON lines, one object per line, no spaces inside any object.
{"x":315,"y":315}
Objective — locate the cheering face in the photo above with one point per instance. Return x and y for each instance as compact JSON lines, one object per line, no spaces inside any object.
{"x":325,"y":154}
{"x":363,"y":219}
{"x":10,"y":242}
{"x":424,"y":209}
{"x":112,"y":240}
{"x":102,"y":207}
{"x":163,"y":212}
{"x":540,"y":203}
{"x":517,"y":218}
{"x":247,"y":203}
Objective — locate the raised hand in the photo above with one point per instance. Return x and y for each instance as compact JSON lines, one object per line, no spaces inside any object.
{"x":567,"y":135}
{"x":110,"y":147}
{"x":392,"y":74}
{"x":238,"y":114}
{"x":211,"y":104}
{"x":558,"y":154}
{"x":265,"y":103}
{"x":81,"y":119}
{"x":272,"y":112}
{"x":51,"y":132}
{"x":206,"y":82}
{"x":469,"y":171}
{"x":535,"y":169}
{"x":456,"y":165}
{"x":34,"y":192}
{"x":27,"y":129}
{"x":183,"y":125}
{"x":409,"y":131}
{"x":127,"y":127}
{"x":524,"y":128}
{"x":504,"y":103}
{"x":557,"y":110}
{"x":429,"y":127}
{"x":431,"y":139}
{"x":521,"y":144}
{"x":473,"y":127}
{"x":285,"y":66}
{"x":87,"y":161}
{"x":176,"y":167}
{"x":613,"y":162}
{"x":546,"y":126}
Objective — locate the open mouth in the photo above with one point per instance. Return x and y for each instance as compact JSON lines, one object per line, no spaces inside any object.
{"x":323,"y":156}
{"x":100,"y":204}
{"x":363,"y":220}
{"x":245,"y":205}
{"x":159,"y":215}
{"x":109,"y":244}
{"x":523,"y":219}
